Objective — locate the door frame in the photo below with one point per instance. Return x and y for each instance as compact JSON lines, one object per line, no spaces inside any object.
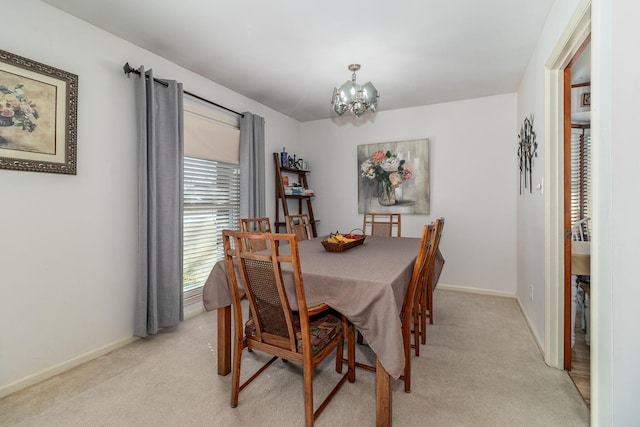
{"x":577,"y":30}
{"x":569,"y":294}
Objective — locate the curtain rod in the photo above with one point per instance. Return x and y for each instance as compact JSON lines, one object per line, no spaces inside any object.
{"x":128,"y":69}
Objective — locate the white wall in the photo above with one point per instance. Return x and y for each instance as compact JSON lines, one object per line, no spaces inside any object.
{"x":473,"y":180}
{"x":69,"y":243}
{"x":615,"y":293}
{"x":615,"y":345}
{"x":531,"y":214}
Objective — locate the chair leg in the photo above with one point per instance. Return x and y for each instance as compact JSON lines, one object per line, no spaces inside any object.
{"x":308,"y":394}
{"x":235,"y":380}
{"x":423,"y":315}
{"x":351,"y":354}
{"x":407,"y":361}
{"x":339,"y":356}
{"x":430,"y":303}
{"x":416,"y":326}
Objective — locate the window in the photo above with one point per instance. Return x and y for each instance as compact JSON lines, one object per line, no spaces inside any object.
{"x":211,"y":192}
{"x":580,"y":173}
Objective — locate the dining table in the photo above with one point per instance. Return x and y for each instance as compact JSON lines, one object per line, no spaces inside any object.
{"x":366,"y":283}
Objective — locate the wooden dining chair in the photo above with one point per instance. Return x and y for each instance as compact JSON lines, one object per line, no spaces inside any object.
{"x":300,"y":226}
{"x":260,"y":225}
{"x":418,"y":276}
{"x":382,"y":224}
{"x":306,"y":336}
{"x":423,"y":307}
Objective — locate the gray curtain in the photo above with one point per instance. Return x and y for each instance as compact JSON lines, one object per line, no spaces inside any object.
{"x":252,"y":185}
{"x":160,"y":192}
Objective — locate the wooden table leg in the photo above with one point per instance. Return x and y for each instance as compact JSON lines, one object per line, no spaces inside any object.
{"x":383,"y":396}
{"x":224,"y":340}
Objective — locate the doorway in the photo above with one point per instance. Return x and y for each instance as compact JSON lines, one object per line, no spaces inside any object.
{"x":577,"y":217}
{"x":575,"y":34}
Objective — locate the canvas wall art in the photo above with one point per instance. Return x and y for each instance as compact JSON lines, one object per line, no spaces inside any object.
{"x":394,"y":177}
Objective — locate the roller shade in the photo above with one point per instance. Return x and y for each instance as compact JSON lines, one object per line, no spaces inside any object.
{"x":210,"y":136}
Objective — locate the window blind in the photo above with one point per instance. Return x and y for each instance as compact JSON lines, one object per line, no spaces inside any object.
{"x":211,"y":204}
{"x":580,"y":174}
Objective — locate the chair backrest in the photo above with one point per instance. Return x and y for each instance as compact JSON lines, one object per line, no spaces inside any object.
{"x":383,"y":224}
{"x":264,"y":286}
{"x":438,"y":259}
{"x":581,"y":231}
{"x":260,"y":225}
{"x":421,"y":269}
{"x":248,"y":225}
{"x":300,"y":226}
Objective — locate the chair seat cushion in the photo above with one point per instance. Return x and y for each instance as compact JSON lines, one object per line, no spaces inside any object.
{"x":323,"y":328}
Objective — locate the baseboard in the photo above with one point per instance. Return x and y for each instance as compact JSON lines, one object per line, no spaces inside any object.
{"x":536,"y":338}
{"x":62,"y":367}
{"x":491,"y":292}
{"x":189,"y":312}
{"x":193,"y":309}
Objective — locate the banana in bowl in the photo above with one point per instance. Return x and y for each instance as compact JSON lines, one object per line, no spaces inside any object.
{"x":338,"y":242}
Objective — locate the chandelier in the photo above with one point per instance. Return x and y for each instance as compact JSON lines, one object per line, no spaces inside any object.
{"x":353,"y":97}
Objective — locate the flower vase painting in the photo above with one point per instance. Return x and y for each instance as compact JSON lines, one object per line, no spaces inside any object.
{"x":394,"y":177}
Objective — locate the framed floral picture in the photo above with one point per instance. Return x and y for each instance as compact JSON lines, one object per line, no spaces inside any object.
{"x":394,"y":177}
{"x":38,"y":116}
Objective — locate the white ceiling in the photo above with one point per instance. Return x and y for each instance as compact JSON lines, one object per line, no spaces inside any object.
{"x":290,"y":54}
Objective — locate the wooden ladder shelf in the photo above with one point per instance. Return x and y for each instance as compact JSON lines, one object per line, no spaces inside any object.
{"x":282,"y":205}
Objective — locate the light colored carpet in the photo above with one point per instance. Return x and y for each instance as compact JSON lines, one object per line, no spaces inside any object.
{"x":480,"y":367}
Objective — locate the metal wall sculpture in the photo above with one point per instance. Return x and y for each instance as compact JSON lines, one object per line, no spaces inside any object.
{"x":527,"y":150}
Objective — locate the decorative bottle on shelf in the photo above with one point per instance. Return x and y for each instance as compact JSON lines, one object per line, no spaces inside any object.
{"x":284,"y":158}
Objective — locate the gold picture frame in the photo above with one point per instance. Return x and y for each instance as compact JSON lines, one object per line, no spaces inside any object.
{"x":38,"y":116}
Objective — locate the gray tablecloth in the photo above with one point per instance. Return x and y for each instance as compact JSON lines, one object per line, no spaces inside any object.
{"x":366,"y":283}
